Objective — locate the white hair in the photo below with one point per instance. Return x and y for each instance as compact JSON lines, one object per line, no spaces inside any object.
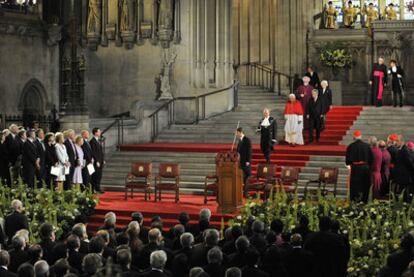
{"x":292,"y":96}
{"x":158,"y":259}
{"x":205,"y":214}
{"x":17,"y":205}
{"x":41,"y":268}
{"x":305,"y":78}
{"x":110,"y":218}
{"x":324,"y":82}
{"x":24,"y":234}
{"x":134,"y":225}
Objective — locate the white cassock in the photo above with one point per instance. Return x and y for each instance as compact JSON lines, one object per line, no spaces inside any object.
{"x":294,"y":130}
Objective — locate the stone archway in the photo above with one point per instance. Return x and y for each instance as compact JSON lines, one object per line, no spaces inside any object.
{"x":32,"y":103}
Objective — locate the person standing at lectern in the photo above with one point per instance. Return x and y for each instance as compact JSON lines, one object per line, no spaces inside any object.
{"x":268,"y":130}
{"x":244,"y":148}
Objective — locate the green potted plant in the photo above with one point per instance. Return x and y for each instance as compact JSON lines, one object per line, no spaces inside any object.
{"x":336,"y":57}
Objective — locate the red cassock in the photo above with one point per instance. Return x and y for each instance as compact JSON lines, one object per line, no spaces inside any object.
{"x":293,"y":108}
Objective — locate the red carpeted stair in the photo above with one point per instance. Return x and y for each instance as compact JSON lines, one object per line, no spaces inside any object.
{"x":339,"y":120}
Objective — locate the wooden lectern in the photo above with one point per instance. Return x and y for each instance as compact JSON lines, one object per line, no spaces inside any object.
{"x":230,"y":182}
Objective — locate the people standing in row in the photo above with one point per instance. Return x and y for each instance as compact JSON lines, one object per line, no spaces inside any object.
{"x":268,"y":131}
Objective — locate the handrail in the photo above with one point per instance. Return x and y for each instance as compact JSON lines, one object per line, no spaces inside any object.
{"x":170,"y":105}
{"x":119,"y":122}
{"x":265,"y":77}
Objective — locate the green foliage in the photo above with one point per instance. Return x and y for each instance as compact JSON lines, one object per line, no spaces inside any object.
{"x":374,"y":229}
{"x":334,"y":55}
{"x":57,"y":207}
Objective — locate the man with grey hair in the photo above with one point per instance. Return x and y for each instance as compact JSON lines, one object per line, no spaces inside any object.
{"x":16,"y":220}
{"x":41,"y":268}
{"x":203,"y":224}
{"x":268,"y":131}
{"x":4,"y":263}
{"x":215,"y":260}
{"x":233,"y":272}
{"x":154,"y":244}
{"x":186,"y":241}
{"x":211,"y":239}
{"x":79,"y":230}
{"x":197,"y":272}
{"x":91,"y":263}
{"x":158,"y":260}
{"x":18,"y":255}
{"x":238,"y":258}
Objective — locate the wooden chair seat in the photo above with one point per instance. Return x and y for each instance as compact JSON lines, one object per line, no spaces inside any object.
{"x":139,"y":179}
{"x":326,"y":183}
{"x":264,"y":179}
{"x":168,"y":178}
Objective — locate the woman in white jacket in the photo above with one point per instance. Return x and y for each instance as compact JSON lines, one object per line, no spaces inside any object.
{"x":63,"y":159}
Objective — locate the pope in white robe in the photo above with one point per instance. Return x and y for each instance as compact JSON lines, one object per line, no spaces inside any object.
{"x":294,"y":121}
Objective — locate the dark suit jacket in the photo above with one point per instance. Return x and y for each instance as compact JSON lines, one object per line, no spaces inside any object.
{"x":314,"y":108}
{"x":87,"y":152}
{"x":12,"y":148}
{"x":47,"y":247}
{"x":41,"y":151}
{"x":404,"y":167}
{"x":17,"y":257}
{"x":300,"y":262}
{"x":84,"y":247}
{"x":14,"y":222}
{"x":245,"y":150}
{"x":326,"y":99}
{"x":50,"y":156}
{"x":314,"y":79}
{"x":71,"y":154}
{"x":249,"y":271}
{"x":30,"y":155}
{"x":154,"y":273}
{"x":97,"y":151}
{"x":215,"y":270}
{"x":75,"y":259}
{"x":258,"y":241}
{"x":6,"y":273}
{"x":267,"y":134}
{"x":144,"y":255}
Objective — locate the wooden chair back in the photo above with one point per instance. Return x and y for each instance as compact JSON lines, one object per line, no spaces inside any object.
{"x":169,"y":170}
{"x":141,"y":169}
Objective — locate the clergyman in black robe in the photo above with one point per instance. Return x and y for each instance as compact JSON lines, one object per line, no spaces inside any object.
{"x":359,"y":158}
{"x":268,"y":131}
{"x":378,"y":80}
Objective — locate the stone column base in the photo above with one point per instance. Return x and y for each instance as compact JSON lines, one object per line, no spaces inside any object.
{"x":75,"y":122}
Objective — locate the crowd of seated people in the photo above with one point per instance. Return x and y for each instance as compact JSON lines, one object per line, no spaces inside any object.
{"x":198,"y":249}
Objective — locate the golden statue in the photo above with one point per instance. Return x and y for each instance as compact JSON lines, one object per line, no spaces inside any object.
{"x":371,"y":13}
{"x":330,"y":15}
{"x":390,"y":12}
{"x":94,"y":17}
{"x":124,"y":22}
{"x":349,"y":15}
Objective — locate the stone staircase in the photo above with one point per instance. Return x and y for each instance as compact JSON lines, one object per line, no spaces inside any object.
{"x":380,"y":122}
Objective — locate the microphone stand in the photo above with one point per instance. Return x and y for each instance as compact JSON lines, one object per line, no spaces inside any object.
{"x":234,"y":138}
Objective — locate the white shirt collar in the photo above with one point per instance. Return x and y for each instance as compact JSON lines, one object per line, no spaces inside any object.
{"x":157,"y":269}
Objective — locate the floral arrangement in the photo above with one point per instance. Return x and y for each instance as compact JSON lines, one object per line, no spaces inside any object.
{"x":374,"y":229}
{"x":336,"y":56}
{"x":58,"y":207}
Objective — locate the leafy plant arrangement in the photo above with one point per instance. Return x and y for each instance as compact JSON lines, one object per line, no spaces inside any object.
{"x":335,"y":56}
{"x":58,"y":207}
{"x":374,"y":229}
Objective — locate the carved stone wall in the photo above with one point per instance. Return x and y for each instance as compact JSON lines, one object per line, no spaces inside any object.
{"x":29,"y":64}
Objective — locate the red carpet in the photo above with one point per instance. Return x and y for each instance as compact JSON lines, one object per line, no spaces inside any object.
{"x":167,"y":209}
{"x":339,"y":120}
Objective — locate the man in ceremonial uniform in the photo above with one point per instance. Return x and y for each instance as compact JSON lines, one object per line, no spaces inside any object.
{"x":390,"y":12}
{"x":371,"y":13}
{"x":268,"y":130}
{"x":378,"y":80}
{"x":349,"y":15}
{"x":330,"y":15}
{"x":397,"y":82}
{"x":244,"y":148}
{"x":314,"y":114}
{"x":359,"y":159}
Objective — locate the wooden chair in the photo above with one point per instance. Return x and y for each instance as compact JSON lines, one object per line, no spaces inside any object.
{"x":328,"y":176}
{"x":288,"y":180}
{"x":264,"y":179}
{"x":210,"y":185}
{"x":139,"y":178}
{"x":168,"y":178}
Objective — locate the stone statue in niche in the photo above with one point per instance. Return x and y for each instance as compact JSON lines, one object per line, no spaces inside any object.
{"x":168,"y":61}
{"x":124,"y":21}
{"x":165,"y":22}
{"x":94,"y":16}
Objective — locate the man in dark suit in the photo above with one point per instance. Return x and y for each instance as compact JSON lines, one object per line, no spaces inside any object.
{"x":314,"y":113}
{"x":251,"y":266}
{"x":299,"y":262}
{"x":244,"y":148}
{"x":73,"y":157}
{"x":314,"y":78}
{"x":4,"y":263}
{"x":50,"y":157}
{"x":268,"y":131}
{"x":328,"y":249}
{"x":87,"y":155}
{"x":158,"y":260}
{"x":257,"y":240}
{"x":154,"y":244}
{"x":98,"y":159}
{"x":75,"y":258}
{"x":199,"y":253}
{"x":47,"y":236}
{"x":215,"y":260}
{"x":16,"y":220}
{"x":30,"y":159}
{"x":18,"y":255}
{"x":403,"y":169}
{"x":13,"y":151}
{"x":325,"y":93}
{"x":41,"y":150}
